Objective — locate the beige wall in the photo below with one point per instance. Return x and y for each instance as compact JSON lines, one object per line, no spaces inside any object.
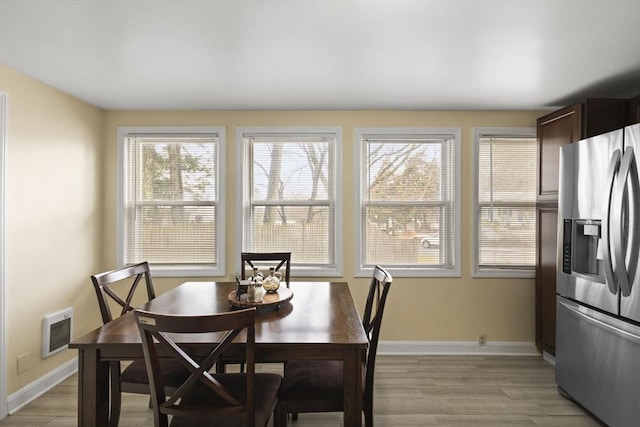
{"x":419,"y":309}
{"x":53,"y":217}
{"x":61,"y":219}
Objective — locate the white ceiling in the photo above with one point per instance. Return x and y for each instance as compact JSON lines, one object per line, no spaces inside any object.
{"x":340,"y":54}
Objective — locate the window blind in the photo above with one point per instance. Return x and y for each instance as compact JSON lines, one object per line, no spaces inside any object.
{"x":408,"y":202}
{"x":506,"y":191}
{"x":290,"y":192}
{"x":171,"y":205}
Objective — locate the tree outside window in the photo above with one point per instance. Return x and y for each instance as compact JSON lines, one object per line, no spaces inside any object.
{"x":289,"y":195}
{"x":170,"y":200}
{"x":408,"y":199}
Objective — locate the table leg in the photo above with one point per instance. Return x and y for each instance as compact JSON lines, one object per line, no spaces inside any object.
{"x":93,"y":389}
{"x":353,"y":388}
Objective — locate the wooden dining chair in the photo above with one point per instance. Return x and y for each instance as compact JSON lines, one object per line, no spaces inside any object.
{"x":317,"y":385}
{"x":118,"y":288}
{"x":265,"y":260}
{"x":206,"y":399}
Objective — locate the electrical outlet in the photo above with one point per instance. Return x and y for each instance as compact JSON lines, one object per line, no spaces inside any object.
{"x":482,"y":340}
{"x":23,"y":363}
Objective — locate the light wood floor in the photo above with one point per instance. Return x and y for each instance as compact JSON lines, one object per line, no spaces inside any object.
{"x":410,"y":391}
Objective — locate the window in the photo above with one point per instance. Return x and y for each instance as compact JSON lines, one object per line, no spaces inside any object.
{"x":169,"y":199}
{"x":290,"y":184}
{"x":409,"y":201}
{"x":505,"y":212}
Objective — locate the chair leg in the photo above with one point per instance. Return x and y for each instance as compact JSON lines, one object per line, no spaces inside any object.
{"x":368,"y":412}
{"x":280,"y":415}
{"x":368,"y":419}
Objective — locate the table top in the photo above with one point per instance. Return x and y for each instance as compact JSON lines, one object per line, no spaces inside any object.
{"x":321,"y":313}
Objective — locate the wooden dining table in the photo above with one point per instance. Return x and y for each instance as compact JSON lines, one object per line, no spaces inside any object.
{"x":320,"y":321}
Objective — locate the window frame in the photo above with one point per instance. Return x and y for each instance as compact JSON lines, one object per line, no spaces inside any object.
{"x":478,"y":133}
{"x":416,"y":270}
{"x":328,"y":270}
{"x":217,"y":268}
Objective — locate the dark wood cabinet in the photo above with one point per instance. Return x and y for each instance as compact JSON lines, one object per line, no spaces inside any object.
{"x":604,"y":115}
{"x":634,"y":110}
{"x":555,"y":130}
{"x":567,"y":125}
{"x":546,"y":278}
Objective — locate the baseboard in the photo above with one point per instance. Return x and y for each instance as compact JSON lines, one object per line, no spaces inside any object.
{"x":457,"y":348}
{"x":37,"y":388}
{"x":549,"y":358}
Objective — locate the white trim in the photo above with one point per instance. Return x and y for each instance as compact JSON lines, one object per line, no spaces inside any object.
{"x":501,"y":273}
{"x":478,"y":132}
{"x":177,"y":271}
{"x":3,"y":265}
{"x":242,"y":178}
{"x":412,"y":270}
{"x":457,"y":348}
{"x":549,"y":358}
{"x":42,"y":385}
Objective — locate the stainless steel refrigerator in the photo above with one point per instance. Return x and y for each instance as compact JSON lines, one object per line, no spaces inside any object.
{"x":598,"y":287}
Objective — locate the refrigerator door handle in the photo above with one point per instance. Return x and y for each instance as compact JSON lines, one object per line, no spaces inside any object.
{"x":606,"y":238}
{"x":626,"y":250}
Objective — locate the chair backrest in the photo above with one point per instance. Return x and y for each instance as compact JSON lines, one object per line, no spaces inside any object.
{"x":126,"y":281}
{"x":159,"y":334}
{"x":265,"y":260}
{"x":372,"y":320}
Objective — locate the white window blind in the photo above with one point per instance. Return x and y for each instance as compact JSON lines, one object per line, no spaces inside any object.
{"x":171,"y":199}
{"x":408,"y":201}
{"x":290,"y":196}
{"x":506,"y":194}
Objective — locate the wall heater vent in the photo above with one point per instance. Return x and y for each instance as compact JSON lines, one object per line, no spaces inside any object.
{"x":56,"y":331}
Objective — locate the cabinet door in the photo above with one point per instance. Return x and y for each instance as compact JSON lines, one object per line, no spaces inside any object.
{"x":634,"y":110}
{"x":555,"y":130}
{"x":601,"y":115}
{"x":546,"y":279}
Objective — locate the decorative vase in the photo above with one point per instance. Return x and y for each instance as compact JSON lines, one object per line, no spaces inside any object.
{"x":257,"y":281}
{"x":251,"y":292}
{"x":257,"y":275}
{"x":259,"y":293}
{"x":272,"y":281}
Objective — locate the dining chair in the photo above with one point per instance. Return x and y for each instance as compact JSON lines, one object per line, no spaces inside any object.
{"x":266,"y":260}
{"x":317,"y":385}
{"x":118,"y":288}
{"x":206,"y":399}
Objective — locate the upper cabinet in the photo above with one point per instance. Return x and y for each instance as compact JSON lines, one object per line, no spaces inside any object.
{"x":555,"y":130}
{"x":604,"y":115}
{"x":634,"y":110}
{"x":571,"y":124}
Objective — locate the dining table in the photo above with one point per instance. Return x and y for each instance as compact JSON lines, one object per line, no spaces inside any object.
{"x":317,"y":320}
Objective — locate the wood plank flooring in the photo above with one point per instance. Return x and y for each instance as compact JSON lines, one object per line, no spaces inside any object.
{"x":410,"y":391}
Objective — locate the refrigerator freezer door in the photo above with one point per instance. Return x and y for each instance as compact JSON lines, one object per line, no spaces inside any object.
{"x":584,"y":198}
{"x":630,"y":305}
{"x":597,"y":363}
